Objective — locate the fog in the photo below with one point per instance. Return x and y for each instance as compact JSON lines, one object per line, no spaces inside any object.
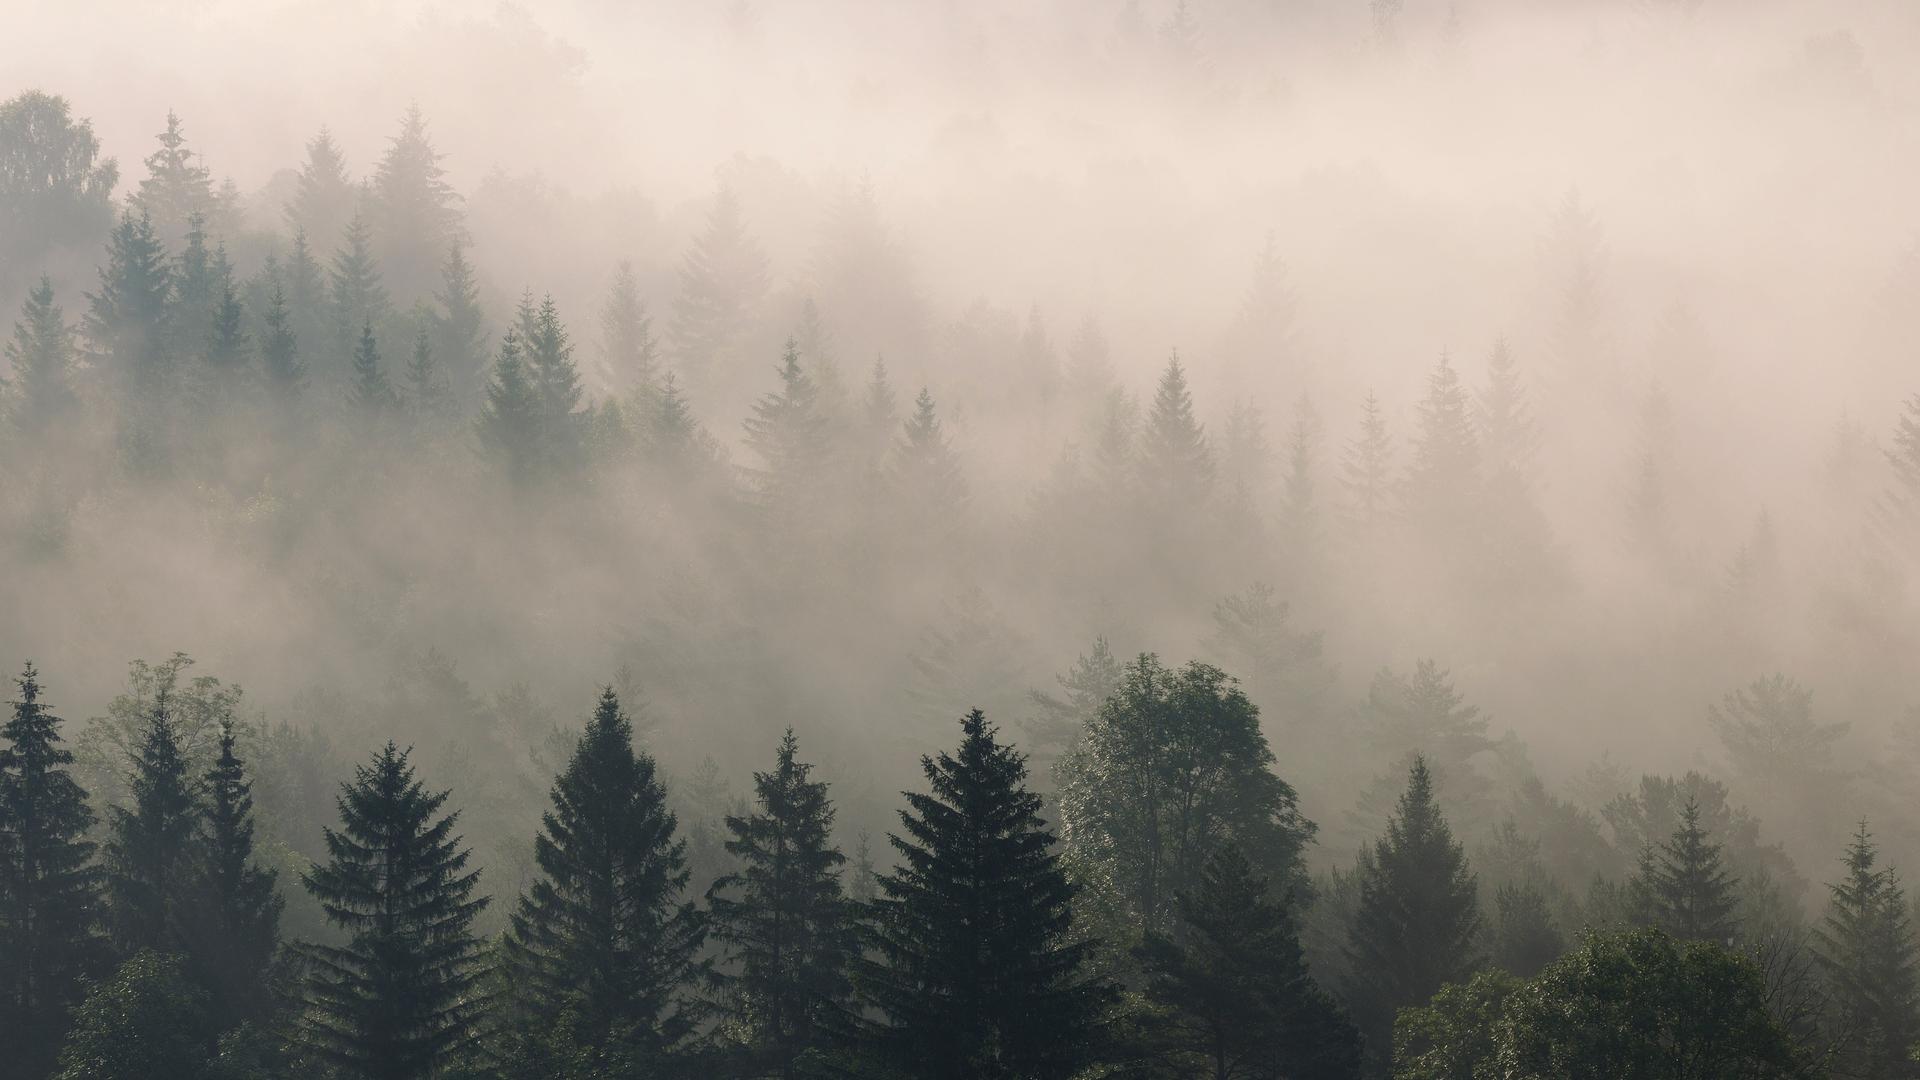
{"x":1693,"y":225}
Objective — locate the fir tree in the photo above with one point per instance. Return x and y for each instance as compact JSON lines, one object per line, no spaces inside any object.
{"x":1261,"y":342}
{"x":723,"y":279}
{"x":150,"y":845}
{"x":325,"y":199}
{"x":1522,"y":934}
{"x":233,"y":922}
{"x":548,"y":353}
{"x":309,"y":299}
{"x":428,"y":395}
{"x":509,"y":423}
{"x":370,"y":393}
{"x":789,"y":435}
{"x":1441,"y":486}
{"x":1684,"y":885}
{"x":1242,"y":1001}
{"x":605,"y":952}
{"x":1175,"y":462}
{"x":414,"y":210}
{"x":926,"y":472}
{"x":1502,"y":416}
{"x":787,"y":931}
{"x":1866,"y":948}
{"x":195,"y":291}
{"x":1367,"y":470}
{"x":279,"y":352}
{"x":879,"y":415}
{"x":401,"y":998}
{"x":1299,"y":514}
{"x":974,"y":972}
{"x":49,"y":888}
{"x":179,"y":189}
{"x":41,"y":354}
{"x":226,"y":333}
{"x":627,"y":350}
{"x":1093,"y":678}
{"x":1418,"y":917}
{"x":674,"y":439}
{"x":358,"y":295}
{"x":459,"y":325}
{"x":126,"y":321}
{"x":1899,"y":507}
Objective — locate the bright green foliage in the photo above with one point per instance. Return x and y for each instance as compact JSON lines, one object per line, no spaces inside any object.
{"x":973,"y":973}
{"x":1418,"y":919}
{"x":231,"y":928}
{"x":604,"y":953}
{"x":1632,"y":1006}
{"x":1685,"y":887}
{"x":787,"y":931}
{"x":1171,"y":768}
{"x":148,"y":1020}
{"x":150,"y":846}
{"x":401,"y":998}
{"x":49,"y":889}
{"x":126,"y":320}
{"x":1867,"y":951}
{"x":1176,"y":465}
{"x":1237,"y":988}
{"x":54,"y":189}
{"x":41,"y":355}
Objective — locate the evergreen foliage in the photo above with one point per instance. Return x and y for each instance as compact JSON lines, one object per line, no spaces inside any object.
{"x":151,"y":845}
{"x":1866,"y":949}
{"x":41,"y":355}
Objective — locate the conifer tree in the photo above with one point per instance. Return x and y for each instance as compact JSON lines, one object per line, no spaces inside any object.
{"x":628,"y":353}
{"x":233,"y":920}
{"x":178,"y":189}
{"x":1299,"y":513}
{"x":1899,"y":507}
{"x":370,"y":393}
{"x":1684,"y":885}
{"x":1237,"y":985}
{"x":1176,"y":464}
{"x":126,"y":322}
{"x":359,"y":297}
{"x":1367,"y":470}
{"x":1503,"y":417}
{"x":401,"y":999}
{"x":548,"y":356}
{"x":1523,"y":936}
{"x":41,"y":355}
{"x":815,"y":339}
{"x":1093,"y":678}
{"x":279,"y":352}
{"x":151,"y":845}
{"x":509,"y":423}
{"x":414,"y":210}
{"x":459,"y":326}
{"x":723,"y":279}
{"x":605,"y":953}
{"x":926,"y":472}
{"x":1866,"y":948}
{"x":324,"y":201}
{"x":879,"y":416}
{"x":1441,"y":486}
{"x":974,"y":972}
{"x":787,"y":930}
{"x":1262,"y":343}
{"x":675,"y":440}
{"x":309,"y":298}
{"x":1418,"y":916}
{"x":789,"y":435}
{"x":428,"y":395}
{"x":226,"y":345}
{"x":49,"y":888}
{"x":195,"y":290}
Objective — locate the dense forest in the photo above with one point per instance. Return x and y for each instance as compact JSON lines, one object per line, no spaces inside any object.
{"x":1278,"y":542}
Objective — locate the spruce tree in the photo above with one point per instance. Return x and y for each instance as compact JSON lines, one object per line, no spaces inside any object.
{"x":414,"y":210}
{"x":232,"y":923}
{"x":548,"y":356}
{"x":279,"y":351}
{"x":179,"y":189}
{"x":402,"y":998}
{"x":428,"y":396}
{"x":226,"y":346}
{"x":126,"y":322}
{"x":1866,"y":948}
{"x":628,"y":354}
{"x":927,"y":482}
{"x":1094,"y":677}
{"x":1503,"y":417}
{"x":1442,"y":483}
{"x":1418,"y":918}
{"x":1685,"y":887}
{"x":195,"y":291}
{"x":1176,"y":464}
{"x":41,"y":354}
{"x":359,"y":297}
{"x":723,"y":279}
{"x":151,"y":845}
{"x":459,"y":326}
{"x":49,"y":888}
{"x":674,"y":440}
{"x":974,"y":971}
{"x":787,"y":931}
{"x":1299,"y":512}
{"x":1237,"y":987}
{"x":370,"y":393}
{"x":1367,"y":470}
{"x":605,"y":953}
{"x":324,"y":201}
{"x":788,"y":434}
{"x":509,"y":422}
{"x":309,"y":299}
{"x":879,"y":417}
{"x":1899,"y":506}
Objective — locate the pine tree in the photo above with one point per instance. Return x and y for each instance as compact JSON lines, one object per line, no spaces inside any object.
{"x":925,"y":471}
{"x":309,"y":299}
{"x":279,"y":352}
{"x":788,"y":932}
{"x":359,"y":297}
{"x":815,"y":339}
{"x":1424,"y":714}
{"x":1176,"y":464}
{"x":126,"y":321}
{"x":428,"y":395}
{"x":41,"y":354}
{"x":1523,"y":936}
{"x":459,"y":326}
{"x":1367,"y":470}
{"x":195,"y":291}
{"x":150,"y":846}
{"x":227,"y":332}
{"x":1093,"y":678}
{"x":1442,"y":484}
{"x":49,"y":888}
{"x":1418,"y":916}
{"x":401,"y":998}
{"x":548,"y":356}
{"x":179,"y":188}
{"x":1299,"y":513}
{"x":325,"y":199}
{"x":1237,"y":986}
{"x":1262,"y":343}
{"x":1866,"y":948}
{"x":604,"y":951}
{"x":414,"y":210}
{"x":1503,"y":417}
{"x":370,"y":393}
{"x":974,"y":971}
{"x":232,"y":925}
{"x":879,"y":416}
{"x":723,"y":280}
{"x":1684,"y":885}
{"x":509,"y":423}
{"x":789,"y":435}
{"x":627,"y":350}
{"x":674,"y":439}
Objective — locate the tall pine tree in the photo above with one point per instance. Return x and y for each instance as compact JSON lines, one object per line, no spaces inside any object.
{"x":126,"y":322}
{"x":151,"y":845}
{"x":232,"y":925}
{"x":1175,"y":462}
{"x":1866,"y":947}
{"x":459,"y":326}
{"x":414,"y":211}
{"x":628,"y":354}
{"x":41,"y":354}
{"x":509,"y":422}
{"x":1684,"y":887}
{"x":325,"y":197}
{"x":723,"y":280}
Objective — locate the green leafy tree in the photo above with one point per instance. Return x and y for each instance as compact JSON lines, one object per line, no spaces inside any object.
{"x":787,"y":931}
{"x":55,"y":189}
{"x":1171,"y":768}
{"x":41,"y":354}
{"x":1242,"y":1002}
{"x":49,"y":888}
{"x":149,"y":1019}
{"x":1865,"y":946}
{"x":151,"y":845}
{"x":974,"y":970}
{"x":605,"y":953}
{"x":232,"y":924}
{"x":402,"y":998}
{"x":1418,"y":919}
{"x":1456,"y":1035}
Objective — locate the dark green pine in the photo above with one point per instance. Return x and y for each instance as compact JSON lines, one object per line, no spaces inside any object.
{"x":233,"y":925}
{"x":151,"y":844}
{"x":1691,"y":890}
{"x":371,"y":394}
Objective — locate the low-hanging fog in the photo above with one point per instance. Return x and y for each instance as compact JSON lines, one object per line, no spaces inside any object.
{"x":1686,"y":231}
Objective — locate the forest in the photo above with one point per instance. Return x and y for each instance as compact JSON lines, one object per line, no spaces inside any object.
{"x":1231,"y":539}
